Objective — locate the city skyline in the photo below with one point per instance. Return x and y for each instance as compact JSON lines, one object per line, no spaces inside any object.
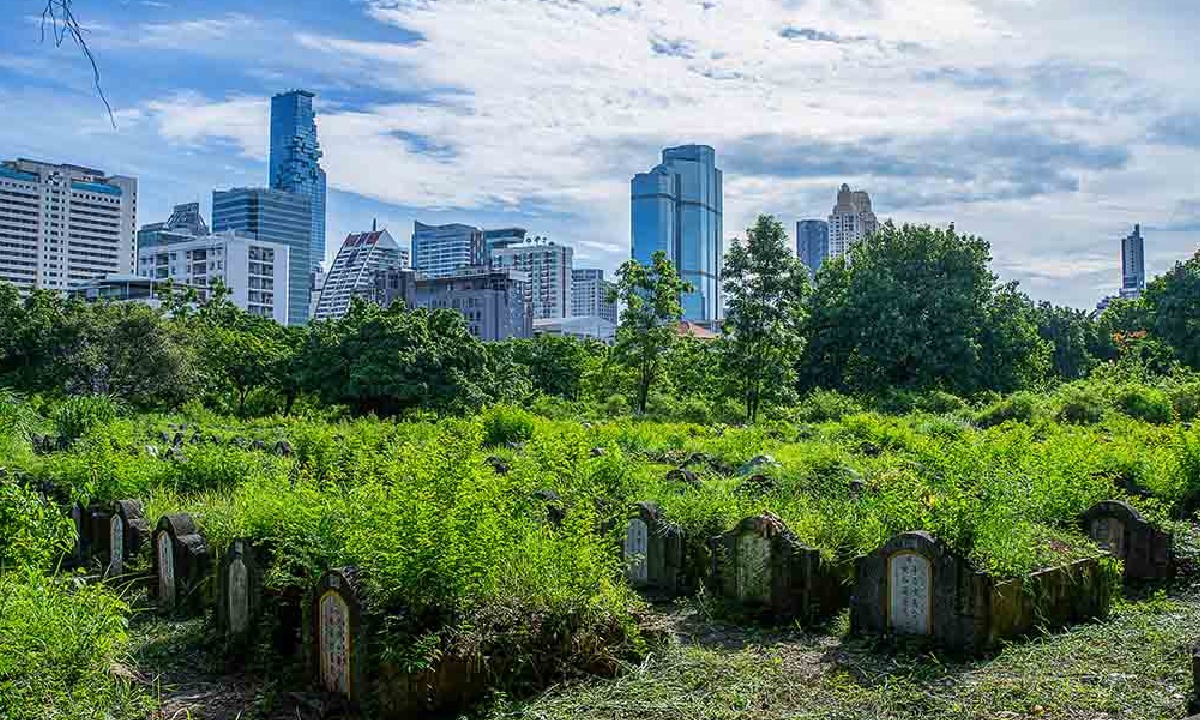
{"x":1087,"y":134}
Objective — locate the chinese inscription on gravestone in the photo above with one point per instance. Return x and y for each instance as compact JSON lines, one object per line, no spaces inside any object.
{"x":166,"y":569}
{"x":1109,"y":533}
{"x":753,"y":568}
{"x":636,"y":542}
{"x":239,"y":595}
{"x":335,"y":643}
{"x":910,"y":579}
{"x":116,"y":545}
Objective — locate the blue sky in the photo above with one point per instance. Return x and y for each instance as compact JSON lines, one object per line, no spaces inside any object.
{"x":1048,"y":127}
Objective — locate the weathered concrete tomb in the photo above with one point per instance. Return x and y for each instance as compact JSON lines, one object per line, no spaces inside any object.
{"x":180,"y":562}
{"x":915,"y":585}
{"x":653,"y":551}
{"x":761,"y":567}
{"x":239,"y":589}
{"x":1147,"y":552}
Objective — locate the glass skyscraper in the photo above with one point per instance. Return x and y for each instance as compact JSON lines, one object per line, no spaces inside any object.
{"x":1133,"y":264}
{"x":812,"y":243}
{"x":295,"y":158}
{"x":442,"y":250}
{"x":677,"y":208}
{"x":279,"y":217}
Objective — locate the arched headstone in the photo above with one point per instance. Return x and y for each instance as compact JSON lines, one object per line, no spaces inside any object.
{"x":654,"y":553}
{"x":129,"y":528}
{"x":337,"y":637}
{"x":283,"y":448}
{"x":181,"y":560}
{"x":910,"y":593}
{"x":239,"y":588}
{"x":1147,"y":552}
{"x":762,"y":568}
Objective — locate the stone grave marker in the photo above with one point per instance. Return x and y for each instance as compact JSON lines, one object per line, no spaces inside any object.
{"x":757,"y":464}
{"x":99,"y":529}
{"x":1147,"y":552}
{"x":258,"y":445}
{"x":915,"y":585}
{"x":498,"y":465}
{"x":598,"y":452}
{"x":127,"y":531}
{"x":164,"y":437}
{"x":555,"y":512}
{"x":337,"y":638}
{"x":653,"y":552}
{"x":239,"y":588}
{"x":177,"y":441}
{"x":181,"y":560}
{"x":283,"y":448}
{"x":761,"y":567}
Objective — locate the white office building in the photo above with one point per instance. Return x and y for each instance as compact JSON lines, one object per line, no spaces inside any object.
{"x":61,"y":225}
{"x":589,"y":295}
{"x":851,"y":221}
{"x":255,"y":272}
{"x":549,"y":267}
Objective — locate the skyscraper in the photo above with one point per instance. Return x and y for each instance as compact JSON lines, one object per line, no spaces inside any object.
{"x":274,"y":216}
{"x":812,"y":243}
{"x":677,"y":208}
{"x":64,"y":224}
{"x":852,"y":220}
{"x":295,"y":160}
{"x":441,"y":250}
{"x":1133,"y":264}
{"x":549,"y":268}
{"x":353,"y":271}
{"x":185,"y":222}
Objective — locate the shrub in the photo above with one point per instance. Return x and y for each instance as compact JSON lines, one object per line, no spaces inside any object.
{"x":1021,"y":407}
{"x":77,"y":415}
{"x":1080,"y":405}
{"x":1145,"y":403}
{"x":32,"y":531}
{"x":503,"y":424}
{"x":695,"y":410}
{"x":939,"y":402}
{"x":59,"y":642}
{"x":616,"y":405}
{"x":1186,"y":400}
{"x":826,"y":406}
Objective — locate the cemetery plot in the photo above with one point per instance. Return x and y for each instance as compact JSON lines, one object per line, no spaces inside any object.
{"x":1146,"y":551}
{"x":181,"y":563}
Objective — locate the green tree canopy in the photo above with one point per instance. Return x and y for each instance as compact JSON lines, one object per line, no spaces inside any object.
{"x":650,"y":323}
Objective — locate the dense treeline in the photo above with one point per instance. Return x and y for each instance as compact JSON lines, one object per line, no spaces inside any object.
{"x":911,"y":309}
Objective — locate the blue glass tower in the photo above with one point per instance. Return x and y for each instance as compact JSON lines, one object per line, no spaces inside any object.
{"x":812,"y":243}
{"x":279,"y":217}
{"x":295,"y":160}
{"x":677,"y":208}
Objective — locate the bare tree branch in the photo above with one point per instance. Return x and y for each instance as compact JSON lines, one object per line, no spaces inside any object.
{"x":59,"y":17}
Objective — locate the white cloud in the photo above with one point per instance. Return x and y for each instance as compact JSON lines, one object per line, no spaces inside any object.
{"x":554,"y":104}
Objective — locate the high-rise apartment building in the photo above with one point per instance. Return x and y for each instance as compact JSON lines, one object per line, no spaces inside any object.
{"x":441,"y":250}
{"x":549,"y":269}
{"x":295,"y":160}
{"x":852,"y":220}
{"x":677,"y":208}
{"x":492,"y":301}
{"x":1133,"y":264}
{"x":255,"y":272}
{"x":812,"y":243}
{"x":353,"y":271}
{"x":274,"y":216}
{"x":589,"y":295}
{"x":64,"y":224}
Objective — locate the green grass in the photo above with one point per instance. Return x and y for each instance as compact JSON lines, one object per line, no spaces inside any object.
{"x":1134,"y":667}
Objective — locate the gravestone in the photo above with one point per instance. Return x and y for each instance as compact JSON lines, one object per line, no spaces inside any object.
{"x":762,"y":568}
{"x":164,"y":438}
{"x":338,"y":641}
{"x":915,"y":585}
{"x":598,"y":452}
{"x":653,"y":551}
{"x":685,"y":476}
{"x":181,"y":560}
{"x":127,"y":531}
{"x":757,"y":464}
{"x":239,"y":589}
{"x":152,"y":451}
{"x":177,"y":441}
{"x":258,"y":445}
{"x":99,"y":529}
{"x":555,"y":512}
{"x":283,"y":448}
{"x":498,"y":465}
{"x":1147,"y":552}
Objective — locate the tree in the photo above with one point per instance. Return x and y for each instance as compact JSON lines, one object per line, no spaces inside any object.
{"x":389,"y":361}
{"x":556,"y":365}
{"x":649,"y":326}
{"x":1072,"y":336}
{"x":1012,"y":353}
{"x":766,"y":288}
{"x":1173,"y":303}
{"x":913,"y":307}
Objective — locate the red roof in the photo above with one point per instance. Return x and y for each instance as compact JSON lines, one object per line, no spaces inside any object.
{"x":700,"y":333}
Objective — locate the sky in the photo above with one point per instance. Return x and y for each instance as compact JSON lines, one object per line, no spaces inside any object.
{"x":1047,"y":127}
